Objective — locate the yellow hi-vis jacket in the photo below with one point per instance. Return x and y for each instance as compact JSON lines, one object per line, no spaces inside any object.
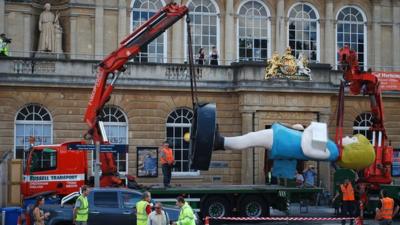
{"x":141,"y":214}
{"x":82,"y":213}
{"x":186,"y":216}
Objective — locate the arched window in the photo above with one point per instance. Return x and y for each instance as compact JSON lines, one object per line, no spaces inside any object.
{"x":304,"y":31}
{"x":178,"y":123}
{"x":351,"y":29}
{"x":362,"y":125}
{"x":35,"y":121}
{"x":116,"y":126}
{"x":142,"y":10}
{"x":205,"y":25}
{"x":253,"y":31}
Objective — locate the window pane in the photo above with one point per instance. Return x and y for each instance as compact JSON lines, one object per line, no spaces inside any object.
{"x":106,"y":199}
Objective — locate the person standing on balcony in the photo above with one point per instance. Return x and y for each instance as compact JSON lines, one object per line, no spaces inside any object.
{"x":214,"y":56}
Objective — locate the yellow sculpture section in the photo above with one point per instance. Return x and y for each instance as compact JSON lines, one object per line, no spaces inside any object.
{"x":357,"y":155}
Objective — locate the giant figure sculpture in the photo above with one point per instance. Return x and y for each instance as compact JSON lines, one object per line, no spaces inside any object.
{"x":286,"y":145}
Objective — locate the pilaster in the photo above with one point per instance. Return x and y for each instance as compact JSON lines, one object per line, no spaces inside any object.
{"x":229,"y":29}
{"x":99,"y":30}
{"x":376,"y":29}
{"x":396,"y":35}
{"x":329,"y":29}
{"x":247,"y":154}
{"x":121,"y":19}
{"x":73,"y":36}
{"x":178,"y":45}
{"x":27,"y":35}
{"x":280,"y":27}
{"x":2,"y":16}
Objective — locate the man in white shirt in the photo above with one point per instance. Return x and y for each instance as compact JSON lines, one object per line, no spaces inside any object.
{"x":158,"y":216}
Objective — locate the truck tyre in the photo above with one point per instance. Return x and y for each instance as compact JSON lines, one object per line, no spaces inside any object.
{"x":216,"y":206}
{"x":253,"y":206}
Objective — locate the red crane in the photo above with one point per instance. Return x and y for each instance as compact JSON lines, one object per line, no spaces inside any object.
{"x":109,"y":71}
{"x":366,"y":83}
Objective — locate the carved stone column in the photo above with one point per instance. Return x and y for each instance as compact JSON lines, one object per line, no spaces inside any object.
{"x":329,"y":30}
{"x":280,"y":36}
{"x":229,"y":30}
{"x":376,"y":29}
{"x":99,"y":30}
{"x":122,"y":19}
{"x":396,"y":35}
{"x":247,"y":155}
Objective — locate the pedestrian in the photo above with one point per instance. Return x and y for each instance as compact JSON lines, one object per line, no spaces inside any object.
{"x":143,"y":209}
{"x":158,"y":216}
{"x":309,"y":176}
{"x":214,"y":56}
{"x":386,"y":210}
{"x":38,"y":215}
{"x":201,"y":56}
{"x":348,"y":200}
{"x":81,"y":208}
{"x":167,"y":163}
{"x":186,"y":215}
{"x":299,"y":179}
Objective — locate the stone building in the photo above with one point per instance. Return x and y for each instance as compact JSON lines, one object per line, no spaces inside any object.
{"x":47,"y":97}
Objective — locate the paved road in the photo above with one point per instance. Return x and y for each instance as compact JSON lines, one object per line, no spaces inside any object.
{"x":313,"y":211}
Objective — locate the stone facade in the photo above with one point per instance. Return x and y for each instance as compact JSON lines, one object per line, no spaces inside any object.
{"x":147,"y":93}
{"x":105,"y":23}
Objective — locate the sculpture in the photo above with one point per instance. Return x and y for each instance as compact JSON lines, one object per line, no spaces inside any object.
{"x":288,"y":61}
{"x":273,"y":65}
{"x":302,"y":63}
{"x":49,"y":29}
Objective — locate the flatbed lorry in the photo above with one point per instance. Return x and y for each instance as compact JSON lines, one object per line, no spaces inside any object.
{"x":239,"y":200}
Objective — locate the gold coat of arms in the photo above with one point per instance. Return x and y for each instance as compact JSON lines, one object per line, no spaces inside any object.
{"x":288,"y":67}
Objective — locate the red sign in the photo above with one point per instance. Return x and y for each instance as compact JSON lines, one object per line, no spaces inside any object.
{"x":390,"y":81}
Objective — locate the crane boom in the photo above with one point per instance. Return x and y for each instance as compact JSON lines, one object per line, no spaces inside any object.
{"x":110,"y":69}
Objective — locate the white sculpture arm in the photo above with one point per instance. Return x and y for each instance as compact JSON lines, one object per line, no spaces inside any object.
{"x":262,"y":138}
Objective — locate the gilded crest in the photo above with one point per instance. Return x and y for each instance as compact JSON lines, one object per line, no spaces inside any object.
{"x":288,"y":67}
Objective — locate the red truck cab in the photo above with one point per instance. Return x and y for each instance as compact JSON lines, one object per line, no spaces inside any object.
{"x":54,"y":168}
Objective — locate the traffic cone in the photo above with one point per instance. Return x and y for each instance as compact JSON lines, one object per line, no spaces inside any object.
{"x":206,"y":221}
{"x":19,"y":221}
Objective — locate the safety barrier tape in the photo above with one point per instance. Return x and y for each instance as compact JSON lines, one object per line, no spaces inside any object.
{"x":282,"y":218}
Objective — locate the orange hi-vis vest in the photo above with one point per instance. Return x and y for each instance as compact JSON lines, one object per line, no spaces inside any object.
{"x":387,"y":208}
{"x":348,"y":192}
{"x":167,"y":156}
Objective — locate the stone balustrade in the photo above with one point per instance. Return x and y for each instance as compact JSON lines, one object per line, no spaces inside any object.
{"x":238,"y":76}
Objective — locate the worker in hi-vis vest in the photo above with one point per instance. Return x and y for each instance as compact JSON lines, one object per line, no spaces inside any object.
{"x":167,"y":163}
{"x":387,"y":208}
{"x":143,"y":209}
{"x":348,"y":200}
{"x":81,"y":208}
{"x":186,"y":215}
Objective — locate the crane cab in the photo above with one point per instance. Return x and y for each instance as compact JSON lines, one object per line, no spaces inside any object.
{"x":54,"y":168}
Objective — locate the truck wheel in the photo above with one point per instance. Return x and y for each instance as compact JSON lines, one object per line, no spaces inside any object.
{"x":253,"y":206}
{"x":216,"y":207}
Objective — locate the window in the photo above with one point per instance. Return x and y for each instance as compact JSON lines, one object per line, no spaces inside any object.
{"x":116,"y":126}
{"x":362,"y":125}
{"x":253,"y":31}
{"x":304,"y":31}
{"x":105,"y":199}
{"x":205,"y":25}
{"x":142,"y":10}
{"x":129,"y":200}
{"x":351,"y":29}
{"x":32,"y":121}
{"x":44,"y":160}
{"x":178,"y":123}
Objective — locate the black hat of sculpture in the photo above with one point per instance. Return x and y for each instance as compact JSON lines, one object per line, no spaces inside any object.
{"x":204,"y":136}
